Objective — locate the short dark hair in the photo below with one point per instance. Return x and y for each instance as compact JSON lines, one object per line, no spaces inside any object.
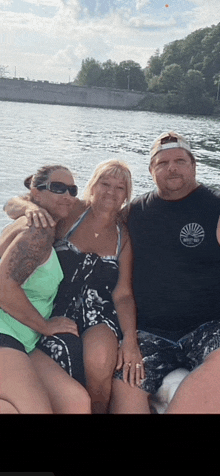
{"x":42,"y":175}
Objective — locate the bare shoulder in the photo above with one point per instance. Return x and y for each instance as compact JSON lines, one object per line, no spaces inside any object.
{"x":18,"y":224}
{"x":64,"y":225}
{"x":11,"y":231}
{"x":125,"y":238}
{"x":77,"y":210}
{"x":29,"y":249}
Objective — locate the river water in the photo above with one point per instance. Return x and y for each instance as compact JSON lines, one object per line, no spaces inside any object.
{"x":32,"y":135}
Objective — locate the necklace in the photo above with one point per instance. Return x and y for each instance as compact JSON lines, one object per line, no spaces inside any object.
{"x":100,"y":232}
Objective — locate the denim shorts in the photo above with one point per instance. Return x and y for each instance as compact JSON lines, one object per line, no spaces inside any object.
{"x":161,"y":356}
{"x":11,"y":342}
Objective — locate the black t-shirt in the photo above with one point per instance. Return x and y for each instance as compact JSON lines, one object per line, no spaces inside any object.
{"x":176,"y":261}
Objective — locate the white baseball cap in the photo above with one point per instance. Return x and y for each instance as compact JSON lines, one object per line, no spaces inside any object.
{"x":169,"y":140}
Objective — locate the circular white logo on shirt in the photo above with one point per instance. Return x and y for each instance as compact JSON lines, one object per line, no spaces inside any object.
{"x":192,"y":235}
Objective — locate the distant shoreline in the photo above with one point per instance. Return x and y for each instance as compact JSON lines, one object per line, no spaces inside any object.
{"x":68,"y":94}
{"x":43,"y":92}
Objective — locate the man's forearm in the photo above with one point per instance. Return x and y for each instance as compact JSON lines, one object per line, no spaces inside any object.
{"x":15,"y":207}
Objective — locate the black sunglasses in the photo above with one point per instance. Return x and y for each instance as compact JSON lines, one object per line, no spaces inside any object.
{"x":59,"y":187}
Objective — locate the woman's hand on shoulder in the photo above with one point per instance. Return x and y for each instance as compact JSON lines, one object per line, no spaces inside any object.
{"x":23,"y":206}
{"x":38,"y":216}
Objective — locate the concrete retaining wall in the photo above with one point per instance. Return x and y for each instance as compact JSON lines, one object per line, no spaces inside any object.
{"x":67,"y":94}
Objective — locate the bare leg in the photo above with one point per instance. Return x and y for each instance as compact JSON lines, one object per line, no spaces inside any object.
{"x":126,"y":399}
{"x":199,"y":392}
{"x":100,"y":348}
{"x":21,"y":391}
{"x":6,"y":407}
{"x":66,"y":394}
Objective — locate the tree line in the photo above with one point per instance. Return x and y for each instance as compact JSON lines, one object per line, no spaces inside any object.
{"x":125,"y":75}
{"x":185,"y":77}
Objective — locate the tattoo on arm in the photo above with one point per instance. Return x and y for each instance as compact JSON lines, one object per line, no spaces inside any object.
{"x":29,"y":253}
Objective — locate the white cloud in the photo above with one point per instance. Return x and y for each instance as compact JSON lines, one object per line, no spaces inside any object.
{"x":139,"y":54}
{"x":49,"y":41}
{"x":202,"y":3}
{"x":47,"y":3}
{"x":23,"y":22}
{"x":28,"y":65}
{"x":141,"y":3}
{"x":205,"y":13}
{"x":64,"y":57}
{"x":146,"y":22}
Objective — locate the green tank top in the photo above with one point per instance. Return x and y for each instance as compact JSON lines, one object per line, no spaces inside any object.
{"x":40,"y":288}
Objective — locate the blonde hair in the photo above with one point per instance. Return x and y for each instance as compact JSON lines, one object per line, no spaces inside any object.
{"x":115,"y":168}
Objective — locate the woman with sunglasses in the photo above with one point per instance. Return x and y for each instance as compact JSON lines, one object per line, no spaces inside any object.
{"x":95,"y":255}
{"x":30,"y":274}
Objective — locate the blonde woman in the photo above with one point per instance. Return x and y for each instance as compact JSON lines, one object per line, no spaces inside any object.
{"x":96,"y":259}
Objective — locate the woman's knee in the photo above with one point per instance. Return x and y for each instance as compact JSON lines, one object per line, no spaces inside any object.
{"x":100,"y":361}
{"x":100,"y":351}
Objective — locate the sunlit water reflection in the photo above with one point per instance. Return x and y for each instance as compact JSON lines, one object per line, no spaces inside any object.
{"x":32,"y":135}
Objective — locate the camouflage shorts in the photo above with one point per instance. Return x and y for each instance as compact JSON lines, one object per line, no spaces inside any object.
{"x":161,"y":356}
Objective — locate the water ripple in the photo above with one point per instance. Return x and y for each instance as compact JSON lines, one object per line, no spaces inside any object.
{"x":32,"y":135}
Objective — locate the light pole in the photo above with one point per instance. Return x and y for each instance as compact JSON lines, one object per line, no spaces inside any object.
{"x":128,"y":80}
{"x":218,"y":89}
{"x":217,"y":81}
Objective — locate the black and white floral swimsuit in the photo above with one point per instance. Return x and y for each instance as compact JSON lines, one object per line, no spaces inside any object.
{"x":85,"y":294}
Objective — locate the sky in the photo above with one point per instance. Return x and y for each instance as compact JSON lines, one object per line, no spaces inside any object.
{"x":48,"y":39}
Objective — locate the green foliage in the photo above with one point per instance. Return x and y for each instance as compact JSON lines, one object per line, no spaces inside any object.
{"x":186,"y":74}
{"x":126,"y":75}
{"x":129,"y":75}
{"x":172,"y":53}
{"x":155,"y":84}
{"x":171,"y":77}
{"x":154,"y":65}
{"x":89,"y":74}
{"x":108,"y":74}
{"x":199,"y":52}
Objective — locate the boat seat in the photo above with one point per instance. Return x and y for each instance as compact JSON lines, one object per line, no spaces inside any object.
{"x":160,"y":401}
